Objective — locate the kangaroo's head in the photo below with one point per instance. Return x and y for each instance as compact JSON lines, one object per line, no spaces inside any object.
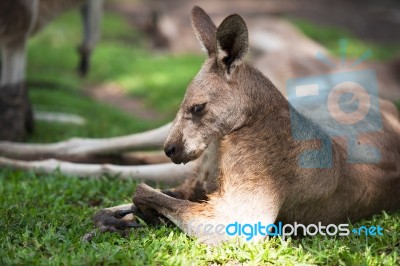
{"x":212,"y":106}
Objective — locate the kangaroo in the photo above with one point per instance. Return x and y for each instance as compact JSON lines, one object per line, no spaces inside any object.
{"x":19,"y":20}
{"x":237,"y":125}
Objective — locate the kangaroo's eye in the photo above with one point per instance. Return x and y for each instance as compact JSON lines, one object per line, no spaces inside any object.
{"x":198,"y":108}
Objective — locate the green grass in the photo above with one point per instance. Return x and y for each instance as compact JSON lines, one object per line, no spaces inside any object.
{"x":43,"y":217}
{"x":329,"y":36}
{"x":101,"y":120}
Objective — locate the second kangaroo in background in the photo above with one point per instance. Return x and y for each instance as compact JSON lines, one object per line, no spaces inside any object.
{"x":237,"y":125}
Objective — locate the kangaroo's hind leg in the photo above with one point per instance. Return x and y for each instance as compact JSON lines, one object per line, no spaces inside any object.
{"x":207,"y":220}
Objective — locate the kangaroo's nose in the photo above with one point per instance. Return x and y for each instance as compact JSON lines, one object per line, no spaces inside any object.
{"x":170,"y":150}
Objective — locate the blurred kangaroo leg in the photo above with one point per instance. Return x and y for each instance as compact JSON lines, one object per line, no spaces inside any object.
{"x":15,"y":109}
{"x":92,"y":12}
{"x":14,"y":62}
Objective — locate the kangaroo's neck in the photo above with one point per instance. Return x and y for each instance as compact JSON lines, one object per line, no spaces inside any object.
{"x":264,"y":103}
{"x":266,"y":132}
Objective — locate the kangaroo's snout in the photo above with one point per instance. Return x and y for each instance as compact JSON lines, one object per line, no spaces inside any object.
{"x":169,"y":150}
{"x":173,"y":149}
{"x":176,"y":153}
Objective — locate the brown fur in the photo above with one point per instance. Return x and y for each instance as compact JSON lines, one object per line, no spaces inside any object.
{"x":238,"y":124}
{"x":16,"y":16}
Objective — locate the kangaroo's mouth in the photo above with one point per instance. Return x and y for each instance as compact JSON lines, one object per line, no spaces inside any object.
{"x":179,"y":160}
{"x":184,"y":157}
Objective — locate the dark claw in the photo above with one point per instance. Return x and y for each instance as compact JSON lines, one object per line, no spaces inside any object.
{"x":122,"y":213}
{"x":133,"y":225}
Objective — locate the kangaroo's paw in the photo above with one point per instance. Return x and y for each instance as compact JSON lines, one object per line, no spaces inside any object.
{"x":117,"y":219}
{"x":124,"y":217}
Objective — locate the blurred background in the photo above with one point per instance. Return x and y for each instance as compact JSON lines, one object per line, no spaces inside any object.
{"x":147,"y":54}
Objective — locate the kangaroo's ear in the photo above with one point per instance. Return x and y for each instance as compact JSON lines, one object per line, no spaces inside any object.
{"x":232,"y":42}
{"x":204,"y":29}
